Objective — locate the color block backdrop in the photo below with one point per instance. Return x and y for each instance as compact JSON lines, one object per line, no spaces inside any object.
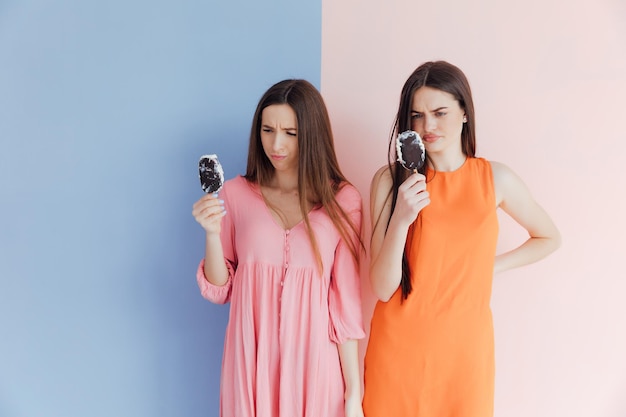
{"x":105,"y":108}
{"x":549,"y":81}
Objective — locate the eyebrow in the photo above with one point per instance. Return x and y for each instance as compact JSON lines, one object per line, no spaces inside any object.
{"x":435,"y":110}
{"x":272,"y":127}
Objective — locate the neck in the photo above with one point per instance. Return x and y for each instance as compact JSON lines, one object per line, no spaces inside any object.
{"x":446,"y":162}
{"x":285,"y":182}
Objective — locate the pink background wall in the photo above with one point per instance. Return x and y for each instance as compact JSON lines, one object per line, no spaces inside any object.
{"x":549,"y":84}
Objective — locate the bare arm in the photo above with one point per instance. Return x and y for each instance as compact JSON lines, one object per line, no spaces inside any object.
{"x":387,"y":247}
{"x":349,"y":358}
{"x":209,"y":211}
{"x":515,"y":199}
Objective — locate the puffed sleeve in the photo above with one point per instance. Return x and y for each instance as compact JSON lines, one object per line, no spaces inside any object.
{"x":220,"y":294}
{"x":344,"y":298}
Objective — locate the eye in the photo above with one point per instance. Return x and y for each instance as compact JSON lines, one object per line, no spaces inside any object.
{"x":415,"y":116}
{"x":266,"y":129}
{"x":294,"y":134}
{"x":440,"y":114}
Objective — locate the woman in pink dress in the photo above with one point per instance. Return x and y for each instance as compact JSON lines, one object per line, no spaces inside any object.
{"x":282,"y":245}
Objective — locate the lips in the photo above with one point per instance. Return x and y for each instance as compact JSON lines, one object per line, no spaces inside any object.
{"x":430,"y":138}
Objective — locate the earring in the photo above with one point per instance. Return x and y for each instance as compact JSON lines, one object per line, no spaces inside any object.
{"x":464,"y":119}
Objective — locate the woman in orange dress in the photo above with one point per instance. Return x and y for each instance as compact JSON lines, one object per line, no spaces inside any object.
{"x":434,"y":234}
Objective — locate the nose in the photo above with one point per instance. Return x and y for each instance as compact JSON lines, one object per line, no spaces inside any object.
{"x":425,"y":124}
{"x":430,"y":123}
{"x":279,"y":141}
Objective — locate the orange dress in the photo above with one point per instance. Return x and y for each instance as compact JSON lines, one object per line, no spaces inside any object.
{"x":432,"y":355}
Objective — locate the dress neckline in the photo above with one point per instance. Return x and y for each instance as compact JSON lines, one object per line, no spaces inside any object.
{"x":432,"y":171}
{"x":257,"y":189}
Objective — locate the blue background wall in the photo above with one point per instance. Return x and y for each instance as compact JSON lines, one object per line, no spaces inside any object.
{"x":105,"y":108}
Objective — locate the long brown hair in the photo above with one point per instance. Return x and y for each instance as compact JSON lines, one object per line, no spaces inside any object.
{"x":443,"y":76}
{"x":319,"y":175}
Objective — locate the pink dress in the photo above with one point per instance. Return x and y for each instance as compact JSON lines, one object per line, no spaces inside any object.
{"x":280,"y":350}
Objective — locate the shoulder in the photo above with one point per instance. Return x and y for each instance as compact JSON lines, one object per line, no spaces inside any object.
{"x":348,"y":196}
{"x":497,"y":166}
{"x":502,"y":174}
{"x":506,"y":182}
{"x":382,"y":181}
{"x":481,"y":164}
{"x":237,"y":188}
{"x":382,"y":174}
{"x":237,"y":183}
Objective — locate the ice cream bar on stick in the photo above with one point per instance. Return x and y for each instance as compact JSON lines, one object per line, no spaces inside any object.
{"x":211,"y":173}
{"x":410,"y":150}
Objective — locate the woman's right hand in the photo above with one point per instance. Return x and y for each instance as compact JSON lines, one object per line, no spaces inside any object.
{"x":208,"y":211}
{"x":412,"y":198}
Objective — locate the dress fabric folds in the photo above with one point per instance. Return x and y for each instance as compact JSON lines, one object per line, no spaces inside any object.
{"x":432,"y":355}
{"x":280,"y":349}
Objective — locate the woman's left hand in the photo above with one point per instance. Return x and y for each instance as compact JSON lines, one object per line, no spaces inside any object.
{"x":353,"y":407}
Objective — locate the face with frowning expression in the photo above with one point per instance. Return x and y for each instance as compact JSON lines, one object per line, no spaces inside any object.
{"x":438,"y":118}
{"x":279,"y":136}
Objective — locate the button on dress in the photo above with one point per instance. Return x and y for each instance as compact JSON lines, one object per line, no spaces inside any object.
{"x":280,"y":349}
